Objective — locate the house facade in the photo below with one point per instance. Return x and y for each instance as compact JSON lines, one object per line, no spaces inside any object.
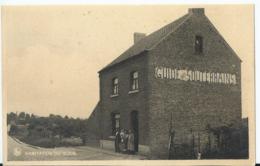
{"x":173,"y":83}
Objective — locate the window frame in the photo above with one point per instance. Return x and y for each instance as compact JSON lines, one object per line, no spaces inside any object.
{"x":115,"y":86}
{"x":134,"y":81}
{"x":198,"y":47}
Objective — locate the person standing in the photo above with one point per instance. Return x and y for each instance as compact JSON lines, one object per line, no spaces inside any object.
{"x":130,"y":142}
{"x":125,"y":141}
{"x":122,"y":139}
{"x":117,"y":141}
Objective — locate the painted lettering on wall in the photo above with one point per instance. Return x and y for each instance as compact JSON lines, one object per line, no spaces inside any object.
{"x":194,"y":75}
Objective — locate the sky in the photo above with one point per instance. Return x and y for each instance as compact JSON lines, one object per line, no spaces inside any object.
{"x":52,"y":53}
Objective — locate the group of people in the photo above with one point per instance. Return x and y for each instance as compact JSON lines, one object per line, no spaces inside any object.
{"x":124,"y":141}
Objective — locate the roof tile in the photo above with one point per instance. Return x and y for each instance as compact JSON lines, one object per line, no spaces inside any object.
{"x":147,"y":42}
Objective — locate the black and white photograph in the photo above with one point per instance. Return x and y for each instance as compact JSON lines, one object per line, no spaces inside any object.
{"x":137,"y":83}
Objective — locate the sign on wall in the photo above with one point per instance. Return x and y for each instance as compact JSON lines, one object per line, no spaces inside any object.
{"x":194,"y":75}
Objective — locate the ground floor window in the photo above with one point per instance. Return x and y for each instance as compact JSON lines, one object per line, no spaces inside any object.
{"x":115,"y":122}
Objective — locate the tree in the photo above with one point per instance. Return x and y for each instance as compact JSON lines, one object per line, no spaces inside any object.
{"x":27,"y":117}
{"x":21,"y":118}
{"x":11,"y":117}
{"x":22,"y":115}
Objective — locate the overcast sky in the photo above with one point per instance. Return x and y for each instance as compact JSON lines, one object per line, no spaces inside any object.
{"x":52,"y":54}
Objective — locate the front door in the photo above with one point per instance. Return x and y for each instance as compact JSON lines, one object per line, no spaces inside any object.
{"x":134,"y":122}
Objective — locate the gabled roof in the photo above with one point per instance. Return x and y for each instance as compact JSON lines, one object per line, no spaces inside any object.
{"x":156,"y":37}
{"x":147,"y":42}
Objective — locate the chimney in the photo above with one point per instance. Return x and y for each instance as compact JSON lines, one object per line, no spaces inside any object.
{"x":138,"y":36}
{"x":197,"y":11}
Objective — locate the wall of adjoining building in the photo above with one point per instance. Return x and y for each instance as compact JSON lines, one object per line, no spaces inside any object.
{"x":93,"y":126}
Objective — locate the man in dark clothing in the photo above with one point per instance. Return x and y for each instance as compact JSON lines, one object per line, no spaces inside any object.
{"x":117,"y":141}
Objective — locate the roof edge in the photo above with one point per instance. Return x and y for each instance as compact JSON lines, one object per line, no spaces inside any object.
{"x":225,"y":42}
{"x":109,"y":67}
{"x":175,"y":29}
{"x":188,"y":15}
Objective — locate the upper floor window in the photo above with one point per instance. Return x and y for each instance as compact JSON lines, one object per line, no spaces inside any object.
{"x":198,"y":44}
{"x":134,"y":80}
{"x":115,"y":86}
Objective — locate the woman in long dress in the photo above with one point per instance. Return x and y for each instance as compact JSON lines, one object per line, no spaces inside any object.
{"x":117,"y":141}
{"x":130,"y":142}
{"x":125,"y":141}
{"x":121,"y":143}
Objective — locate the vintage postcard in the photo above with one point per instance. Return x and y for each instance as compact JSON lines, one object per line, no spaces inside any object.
{"x":135,"y":85}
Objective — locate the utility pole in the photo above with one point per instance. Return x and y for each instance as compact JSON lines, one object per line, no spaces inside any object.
{"x":171,"y":137}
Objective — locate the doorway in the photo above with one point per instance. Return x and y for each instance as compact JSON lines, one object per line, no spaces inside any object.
{"x":135,"y":127}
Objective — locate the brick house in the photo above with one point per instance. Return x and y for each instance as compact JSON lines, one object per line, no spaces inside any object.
{"x":182,"y":78}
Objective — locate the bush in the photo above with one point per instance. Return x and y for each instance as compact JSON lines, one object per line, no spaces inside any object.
{"x":52,"y":142}
{"x":73,"y":141}
{"x":41,"y":142}
{"x":232,"y":145}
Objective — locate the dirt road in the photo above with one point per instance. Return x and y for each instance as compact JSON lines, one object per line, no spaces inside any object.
{"x":19,"y":151}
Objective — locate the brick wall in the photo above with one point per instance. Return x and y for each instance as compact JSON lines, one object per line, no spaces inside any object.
{"x":192,"y":104}
{"x":124,"y":103}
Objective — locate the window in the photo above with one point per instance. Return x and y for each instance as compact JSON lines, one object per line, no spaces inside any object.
{"x":115,"y":122}
{"x":134,"y":81}
{"x":115,"y":86}
{"x":198,"y":44}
